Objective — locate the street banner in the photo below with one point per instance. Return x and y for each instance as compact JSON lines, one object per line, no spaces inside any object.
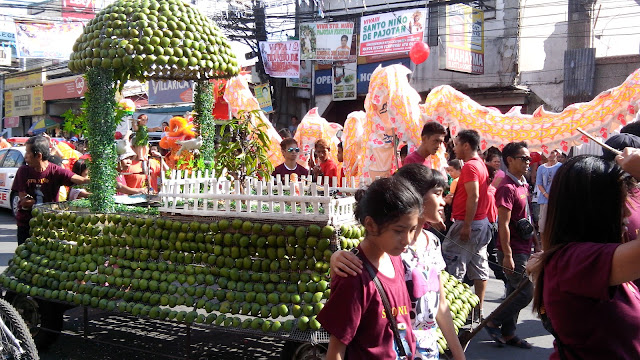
{"x":46,"y":40}
{"x":327,"y":41}
{"x":71,"y":87}
{"x":366,"y":70}
{"x":22,"y":81}
{"x":281,"y":59}
{"x":83,"y":10}
{"x":304,"y":80}
{"x":263,"y":95}
{"x":391,"y":32}
{"x":343,"y":81}
{"x":170,"y":92}
{"x":464,"y":48}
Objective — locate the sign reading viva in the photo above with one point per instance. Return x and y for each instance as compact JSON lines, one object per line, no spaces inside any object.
{"x":281,"y":59}
{"x":327,"y":41}
{"x":391,"y":32}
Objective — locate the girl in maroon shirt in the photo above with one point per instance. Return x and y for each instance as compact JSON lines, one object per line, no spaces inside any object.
{"x":354,"y":314}
{"x":584,"y":280}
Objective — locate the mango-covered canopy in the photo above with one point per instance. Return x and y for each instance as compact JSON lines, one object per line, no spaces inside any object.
{"x":154,"y":39}
{"x":543,"y":131}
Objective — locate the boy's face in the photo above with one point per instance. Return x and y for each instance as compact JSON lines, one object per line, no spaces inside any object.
{"x":453,"y":172}
{"x":291,"y":152}
{"x":339,"y":155}
{"x":323,"y":153}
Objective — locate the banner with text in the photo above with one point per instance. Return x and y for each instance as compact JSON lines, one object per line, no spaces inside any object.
{"x":281,"y":59}
{"x":343,"y":81}
{"x":391,"y":32}
{"x":170,"y":92}
{"x":83,"y":10}
{"x":8,"y":37}
{"x":465,"y":39}
{"x":327,"y":41}
{"x":47,"y":40}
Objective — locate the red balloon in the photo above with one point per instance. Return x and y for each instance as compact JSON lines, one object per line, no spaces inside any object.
{"x":118,"y":135}
{"x":419,"y":52}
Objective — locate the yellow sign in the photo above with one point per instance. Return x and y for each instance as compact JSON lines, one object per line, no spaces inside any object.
{"x":23,"y":81}
{"x":465,"y":39}
{"x":263,"y":95}
{"x":24,"y":102}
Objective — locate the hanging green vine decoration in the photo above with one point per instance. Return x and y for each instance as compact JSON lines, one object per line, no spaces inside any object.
{"x":203,"y":106}
{"x":100,"y":98}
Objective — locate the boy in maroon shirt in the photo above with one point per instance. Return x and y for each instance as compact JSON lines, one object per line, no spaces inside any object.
{"x":290,"y":153}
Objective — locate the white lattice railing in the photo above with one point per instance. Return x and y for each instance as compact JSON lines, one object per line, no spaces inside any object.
{"x":202,"y":194}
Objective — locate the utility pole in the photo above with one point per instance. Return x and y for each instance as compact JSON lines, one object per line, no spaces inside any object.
{"x":261,"y":35}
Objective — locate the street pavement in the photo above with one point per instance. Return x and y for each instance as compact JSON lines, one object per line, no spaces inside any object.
{"x":169,"y":340}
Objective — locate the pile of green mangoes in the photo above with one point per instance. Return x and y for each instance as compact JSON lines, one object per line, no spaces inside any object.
{"x":351,"y":236}
{"x":461,"y":301}
{"x":159,"y":39}
{"x":228,"y":272}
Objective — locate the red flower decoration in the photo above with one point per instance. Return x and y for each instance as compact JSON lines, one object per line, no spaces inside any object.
{"x":631,"y":109}
{"x":603,"y":132}
{"x":564,"y":146}
{"x":584,"y":139}
{"x":483,"y":144}
{"x":545,"y":149}
{"x":622,"y":119}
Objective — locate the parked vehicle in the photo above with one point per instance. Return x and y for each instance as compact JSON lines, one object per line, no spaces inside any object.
{"x":10,"y":160}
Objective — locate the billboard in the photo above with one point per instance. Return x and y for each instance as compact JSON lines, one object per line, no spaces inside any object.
{"x":17,"y":82}
{"x":78,"y":9}
{"x":343,"y":81}
{"x":281,"y":59}
{"x":24,"y":102}
{"x":46,"y":40}
{"x":464,"y":45}
{"x":170,"y":92}
{"x":8,"y":37}
{"x":327,"y":41}
{"x":391,"y":32}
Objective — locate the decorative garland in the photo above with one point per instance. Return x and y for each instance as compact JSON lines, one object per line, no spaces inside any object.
{"x":100,"y":98}
{"x":203,"y":106}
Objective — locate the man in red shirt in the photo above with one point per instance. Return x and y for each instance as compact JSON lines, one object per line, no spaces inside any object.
{"x":465,"y":249}
{"x":513,"y":249}
{"x":432,"y":135}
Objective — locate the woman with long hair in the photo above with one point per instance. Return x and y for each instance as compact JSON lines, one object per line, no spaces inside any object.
{"x":584,"y":289}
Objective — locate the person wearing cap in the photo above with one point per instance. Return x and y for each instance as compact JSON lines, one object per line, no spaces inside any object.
{"x":620,"y":142}
{"x":544,"y":177}
{"x":124,"y":163}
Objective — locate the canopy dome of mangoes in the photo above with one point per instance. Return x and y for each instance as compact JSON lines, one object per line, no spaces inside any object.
{"x":154,"y":39}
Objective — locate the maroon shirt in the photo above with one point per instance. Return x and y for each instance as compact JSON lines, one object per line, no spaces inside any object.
{"x":27,"y":180}
{"x":513,"y":195}
{"x":595,"y":320}
{"x":355,"y":314}
{"x":283,"y":171}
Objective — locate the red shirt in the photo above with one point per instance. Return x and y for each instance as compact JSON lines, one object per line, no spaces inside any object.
{"x":595,"y":320}
{"x":514,"y":197}
{"x":355,"y":315}
{"x":137,"y":179}
{"x":473,"y":170}
{"x":329,"y":168}
{"x":492,"y":213}
{"x":47,"y":182}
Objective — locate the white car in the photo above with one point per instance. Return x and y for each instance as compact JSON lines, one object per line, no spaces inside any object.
{"x":10,"y":160}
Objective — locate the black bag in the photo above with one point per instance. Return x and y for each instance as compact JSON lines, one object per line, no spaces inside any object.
{"x":524,"y":227}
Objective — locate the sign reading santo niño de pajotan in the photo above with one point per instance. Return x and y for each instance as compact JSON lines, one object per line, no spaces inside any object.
{"x":391,"y":32}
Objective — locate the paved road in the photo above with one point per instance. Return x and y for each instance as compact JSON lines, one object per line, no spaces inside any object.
{"x":212,"y":344}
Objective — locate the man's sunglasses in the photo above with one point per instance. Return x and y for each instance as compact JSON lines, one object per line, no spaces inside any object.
{"x":523,"y":158}
{"x":291,"y":149}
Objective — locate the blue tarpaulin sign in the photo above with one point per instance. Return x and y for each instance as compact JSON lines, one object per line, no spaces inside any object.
{"x":170,"y":92}
{"x":365,"y":71}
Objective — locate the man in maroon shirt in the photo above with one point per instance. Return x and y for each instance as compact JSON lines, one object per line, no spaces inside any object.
{"x":290,"y":153}
{"x":39,"y":182}
{"x":465,"y":249}
{"x":432,"y":135}
{"x":513,"y":249}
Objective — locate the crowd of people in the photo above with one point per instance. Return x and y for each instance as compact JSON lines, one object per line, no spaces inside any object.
{"x":48,"y":176}
{"x":511,"y":212}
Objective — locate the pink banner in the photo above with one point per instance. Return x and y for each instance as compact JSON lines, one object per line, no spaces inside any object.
{"x":281,"y":59}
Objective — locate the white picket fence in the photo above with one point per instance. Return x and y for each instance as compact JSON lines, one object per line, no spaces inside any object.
{"x":203,"y":194}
